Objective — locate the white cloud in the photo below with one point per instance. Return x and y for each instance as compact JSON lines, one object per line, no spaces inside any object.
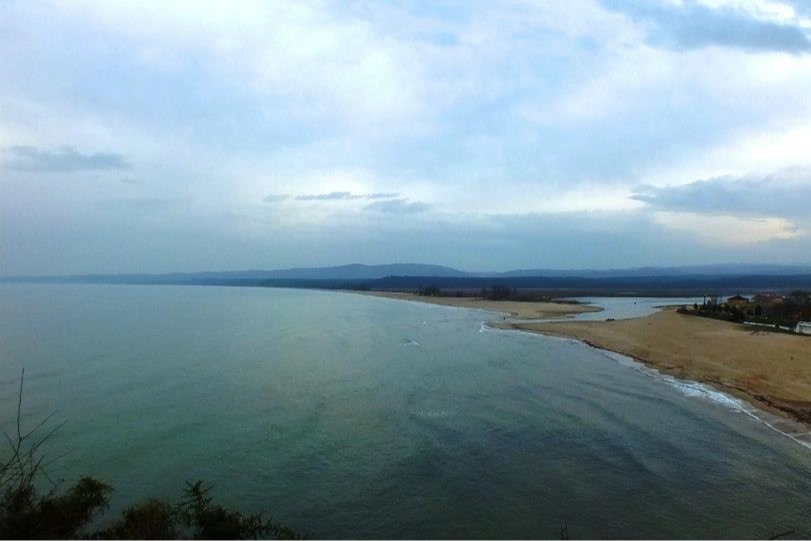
{"x":473,"y":111}
{"x":325,"y":62}
{"x":765,"y":150}
{"x":729,"y":230}
{"x":748,"y":152}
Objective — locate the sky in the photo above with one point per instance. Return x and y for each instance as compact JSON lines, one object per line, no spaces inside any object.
{"x":204,"y":135}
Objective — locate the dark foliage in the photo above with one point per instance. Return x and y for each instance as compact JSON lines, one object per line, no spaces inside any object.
{"x":781,"y":314}
{"x":497,"y":292}
{"x":429,"y":291}
{"x":25,"y":513}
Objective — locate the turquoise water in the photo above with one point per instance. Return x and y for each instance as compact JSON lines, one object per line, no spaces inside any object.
{"x":353,"y":416}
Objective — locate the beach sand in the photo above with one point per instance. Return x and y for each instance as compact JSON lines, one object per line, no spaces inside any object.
{"x":520,"y":310}
{"x":770,"y":370}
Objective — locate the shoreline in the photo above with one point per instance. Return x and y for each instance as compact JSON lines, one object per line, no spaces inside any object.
{"x":775,"y":419}
{"x":769,"y":371}
{"x":772,"y":372}
{"x":516,"y":309}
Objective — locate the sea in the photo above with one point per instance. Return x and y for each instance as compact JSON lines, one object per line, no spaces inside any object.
{"x":350,"y":416}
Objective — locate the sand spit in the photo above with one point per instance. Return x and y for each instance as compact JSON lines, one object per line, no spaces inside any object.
{"x":520,"y":310}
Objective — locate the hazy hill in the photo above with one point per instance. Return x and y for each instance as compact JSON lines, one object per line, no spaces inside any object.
{"x":359,"y":272}
{"x":343,"y":272}
{"x":730,"y":269}
{"x":364,"y":272}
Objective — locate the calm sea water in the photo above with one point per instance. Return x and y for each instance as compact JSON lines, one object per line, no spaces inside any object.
{"x":630,"y":307}
{"x":352,"y":416}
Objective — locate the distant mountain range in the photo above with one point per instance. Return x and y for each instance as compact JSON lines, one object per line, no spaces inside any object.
{"x":730,"y":269}
{"x":359,"y":272}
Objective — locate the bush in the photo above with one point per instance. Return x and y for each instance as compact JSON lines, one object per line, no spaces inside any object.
{"x":497,"y":292}
{"x":26,"y":514}
{"x":430,"y":291}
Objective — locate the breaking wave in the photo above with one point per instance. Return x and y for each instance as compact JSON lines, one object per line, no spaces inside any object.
{"x":694,"y":389}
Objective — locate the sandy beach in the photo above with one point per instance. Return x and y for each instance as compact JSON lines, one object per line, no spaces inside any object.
{"x":521,"y":310}
{"x":770,"y":370}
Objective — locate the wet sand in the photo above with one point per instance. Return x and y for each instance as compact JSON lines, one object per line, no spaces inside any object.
{"x":770,"y":370}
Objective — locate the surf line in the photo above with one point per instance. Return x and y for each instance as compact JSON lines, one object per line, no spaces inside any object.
{"x":685,"y":387}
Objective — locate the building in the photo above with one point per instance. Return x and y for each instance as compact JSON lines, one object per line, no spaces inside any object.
{"x":768,"y":299}
{"x":737,"y":301}
{"x":803,"y":327}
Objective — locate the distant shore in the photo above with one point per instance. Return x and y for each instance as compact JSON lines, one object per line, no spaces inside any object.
{"x":769,"y":370}
{"x":517,"y":309}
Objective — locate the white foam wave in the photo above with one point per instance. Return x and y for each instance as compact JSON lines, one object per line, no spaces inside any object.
{"x":695,"y":389}
{"x":431,"y":413}
{"x":407,"y":342}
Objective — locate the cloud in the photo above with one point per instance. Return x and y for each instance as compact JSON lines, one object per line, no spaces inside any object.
{"x":325,"y":61}
{"x":398,"y":206}
{"x":732,"y":211}
{"x":345,"y":196}
{"x":144,"y":203}
{"x":131,"y":181}
{"x":332,"y":196}
{"x":275,"y":198}
{"x":345,"y":118}
{"x":382,"y":195}
{"x":800,"y":6}
{"x":692,"y":25}
{"x":785,"y":193}
{"x":66,"y":159}
{"x":729,"y":230}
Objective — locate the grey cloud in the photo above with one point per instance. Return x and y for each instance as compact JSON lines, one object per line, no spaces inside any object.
{"x":275,"y":198}
{"x":693,"y":26}
{"x":398,"y":206}
{"x":144,"y":203}
{"x":333,"y":196}
{"x":131,"y":181}
{"x":66,"y":159}
{"x":786,"y":193}
{"x":345,"y":196}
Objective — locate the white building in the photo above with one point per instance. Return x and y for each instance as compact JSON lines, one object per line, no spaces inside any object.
{"x":803,"y":327}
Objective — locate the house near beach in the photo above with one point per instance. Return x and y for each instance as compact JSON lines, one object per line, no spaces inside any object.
{"x":802,"y":327}
{"x":768,"y":299}
{"x":737,"y":301}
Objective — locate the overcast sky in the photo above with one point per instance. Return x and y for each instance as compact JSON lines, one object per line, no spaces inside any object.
{"x":485,"y":135}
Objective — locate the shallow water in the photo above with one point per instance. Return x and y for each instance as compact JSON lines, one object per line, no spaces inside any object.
{"x":354,"y":416}
{"x":617,"y":308}
{"x":630,"y":307}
